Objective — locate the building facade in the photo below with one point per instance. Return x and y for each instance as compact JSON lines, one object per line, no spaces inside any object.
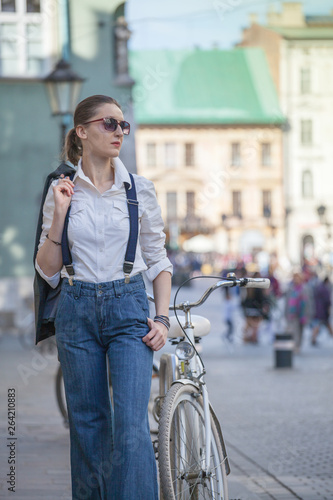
{"x":209,"y":137}
{"x":299,"y":50}
{"x":34,"y":36}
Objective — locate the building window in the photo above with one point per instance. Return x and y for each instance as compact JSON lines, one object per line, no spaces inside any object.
{"x":236,"y":204}
{"x":307,"y":184}
{"x":25,"y":38}
{"x":9,"y":49}
{"x":266,"y":159}
{"x":33,"y":5}
{"x":190,"y":203}
{"x":171,"y":206}
{"x":189,"y":154}
{"x":8,"y":6}
{"x":170,"y":154}
{"x":306,"y":131}
{"x":235,"y":154}
{"x":267,"y":203}
{"x":305,"y":81}
{"x":151,"y":154}
{"x":34,"y":49}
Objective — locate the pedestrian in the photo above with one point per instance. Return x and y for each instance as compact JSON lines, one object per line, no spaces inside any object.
{"x":255,"y":307}
{"x":296,"y":309}
{"x":228,"y":313}
{"x":102,"y":314}
{"x":322,"y":301}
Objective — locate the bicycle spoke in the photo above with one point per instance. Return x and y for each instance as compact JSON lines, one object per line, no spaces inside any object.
{"x":189,"y":476}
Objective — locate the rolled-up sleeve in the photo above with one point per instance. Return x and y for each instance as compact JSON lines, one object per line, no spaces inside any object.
{"x":48,"y":211}
{"x":152,"y":236}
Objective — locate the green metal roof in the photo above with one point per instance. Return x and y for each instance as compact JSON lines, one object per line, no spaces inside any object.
{"x":204,"y":87}
{"x":306,"y":33}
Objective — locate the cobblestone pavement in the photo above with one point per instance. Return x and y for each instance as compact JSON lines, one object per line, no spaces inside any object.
{"x":277,"y":423}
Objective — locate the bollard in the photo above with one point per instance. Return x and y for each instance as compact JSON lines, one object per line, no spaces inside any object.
{"x":283,"y":347}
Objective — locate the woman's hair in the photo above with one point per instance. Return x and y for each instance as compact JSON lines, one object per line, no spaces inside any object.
{"x":84,"y":112}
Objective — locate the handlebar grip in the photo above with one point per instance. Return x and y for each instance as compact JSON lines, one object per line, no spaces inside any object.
{"x":257,"y":283}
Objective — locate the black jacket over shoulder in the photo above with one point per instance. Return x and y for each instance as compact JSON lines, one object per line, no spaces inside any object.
{"x":45,"y":297}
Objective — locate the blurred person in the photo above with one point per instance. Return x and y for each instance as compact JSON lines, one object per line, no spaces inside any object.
{"x":228,"y":313}
{"x":322,"y":301}
{"x":296,"y":310}
{"x":101,"y":314}
{"x":255,"y":308}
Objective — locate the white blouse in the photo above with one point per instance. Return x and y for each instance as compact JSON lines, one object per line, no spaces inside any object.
{"x":98,"y":229}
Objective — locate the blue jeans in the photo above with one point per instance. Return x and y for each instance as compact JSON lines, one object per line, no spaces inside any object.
{"x":112,"y":456}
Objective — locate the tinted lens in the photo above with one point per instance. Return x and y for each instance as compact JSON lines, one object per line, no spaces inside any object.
{"x":110,"y":124}
{"x":125,"y":126}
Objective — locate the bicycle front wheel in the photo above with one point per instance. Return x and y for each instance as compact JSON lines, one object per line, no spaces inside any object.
{"x":182,"y":449}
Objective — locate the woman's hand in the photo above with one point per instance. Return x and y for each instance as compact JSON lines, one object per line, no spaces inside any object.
{"x":62,"y":193}
{"x":157,"y":336}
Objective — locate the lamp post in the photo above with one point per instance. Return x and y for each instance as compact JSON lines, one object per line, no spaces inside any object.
{"x":64,"y":88}
{"x":225,"y":223}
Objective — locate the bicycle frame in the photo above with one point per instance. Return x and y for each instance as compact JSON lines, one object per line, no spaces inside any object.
{"x":190,"y":371}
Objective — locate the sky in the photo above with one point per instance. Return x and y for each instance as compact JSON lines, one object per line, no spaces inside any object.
{"x":178,"y":24}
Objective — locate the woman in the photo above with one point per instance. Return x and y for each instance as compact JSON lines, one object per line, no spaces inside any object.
{"x":99,"y":314}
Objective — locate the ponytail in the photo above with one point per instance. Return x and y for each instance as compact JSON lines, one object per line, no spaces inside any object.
{"x":73,"y":147}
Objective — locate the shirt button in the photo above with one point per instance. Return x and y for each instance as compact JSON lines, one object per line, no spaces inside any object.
{"x":101,"y":249}
{"x":102,"y":268}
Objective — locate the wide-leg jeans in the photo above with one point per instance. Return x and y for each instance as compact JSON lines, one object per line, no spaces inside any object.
{"x":112,"y":456}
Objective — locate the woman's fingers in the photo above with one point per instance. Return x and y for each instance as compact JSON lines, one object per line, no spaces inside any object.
{"x":66,"y":182}
{"x":157,"y":336}
{"x":65,"y":186}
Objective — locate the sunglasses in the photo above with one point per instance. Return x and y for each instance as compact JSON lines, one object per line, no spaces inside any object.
{"x":111,"y":124}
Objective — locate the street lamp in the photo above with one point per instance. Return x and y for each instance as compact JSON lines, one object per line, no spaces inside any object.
{"x":64,"y":88}
{"x":321,"y":210}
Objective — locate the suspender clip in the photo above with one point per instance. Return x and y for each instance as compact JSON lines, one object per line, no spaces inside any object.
{"x":127,"y":268}
{"x":70,"y":271}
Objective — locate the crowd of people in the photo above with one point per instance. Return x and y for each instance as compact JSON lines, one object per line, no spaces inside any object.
{"x":302,"y":301}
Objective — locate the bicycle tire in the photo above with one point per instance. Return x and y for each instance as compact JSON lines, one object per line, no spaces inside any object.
{"x":181,"y":449}
{"x":60,"y":394}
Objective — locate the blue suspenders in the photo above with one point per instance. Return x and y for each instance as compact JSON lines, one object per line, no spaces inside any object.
{"x":133,"y":211}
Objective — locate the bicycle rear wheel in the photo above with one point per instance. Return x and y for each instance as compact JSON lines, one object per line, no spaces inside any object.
{"x":60,"y":394}
{"x":182,"y":449}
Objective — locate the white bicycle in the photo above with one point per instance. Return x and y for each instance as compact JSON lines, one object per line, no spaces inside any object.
{"x":192,"y":457}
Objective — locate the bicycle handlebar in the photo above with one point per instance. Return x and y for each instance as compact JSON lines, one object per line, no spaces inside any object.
{"x":242,"y":282}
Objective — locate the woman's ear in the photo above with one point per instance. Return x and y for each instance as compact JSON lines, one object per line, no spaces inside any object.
{"x":81,"y":132}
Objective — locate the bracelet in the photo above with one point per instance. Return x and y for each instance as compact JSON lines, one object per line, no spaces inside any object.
{"x":164,"y":320}
{"x":55,"y":242}
{"x":163,"y":323}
